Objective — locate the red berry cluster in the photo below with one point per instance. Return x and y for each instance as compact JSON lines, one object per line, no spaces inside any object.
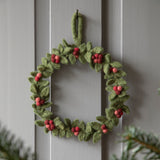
{"x":114,"y":70}
{"x":55,"y":58}
{"x":104,"y":128}
{"x":49,"y":125}
{"x":118,"y":113}
{"x":76,"y":52}
{"x":75,"y":130}
{"x":117,"y":89}
{"x":39,"y":101}
{"x":38,"y":76}
{"x":97,"y":58}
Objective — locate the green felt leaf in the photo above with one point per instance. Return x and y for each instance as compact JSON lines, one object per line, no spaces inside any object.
{"x":56,"y":66}
{"x":82,"y":48}
{"x":34,"y":106}
{"x":45,"y":92}
{"x":109,"y":88}
{"x":75,"y":123}
{"x":47,"y":74}
{"x":87,"y":137}
{"x":67,"y":122}
{"x":110,"y":113}
{"x":82,"y":59}
{"x":41,"y":68}
{"x":98,"y":67}
{"x":44,"y":61}
{"x":121,"y":81}
{"x":96,"y":125}
{"x":44,"y":83}
{"x":34,"y":73}
{"x":123,"y":93}
{"x":33,"y":97}
{"x":50,"y":67}
{"x":64,"y":60}
{"x":55,"y":51}
{"x":68,"y":50}
{"x":115,"y":121}
{"x":81,"y":136}
{"x":82,"y":125}
{"x":125,"y":109}
{"x":109,"y":124}
{"x":88,"y":127}
{"x":31,"y":79}
{"x":112,"y":95}
{"x":39,"y":123}
{"x":88,"y":56}
{"x":101,"y":118}
{"x":58,"y":123}
{"x":48,"y":56}
{"x":91,"y":65}
{"x":46,"y":130}
{"x":60,"y":47}
{"x":33,"y":88}
{"x":69,"y":133}
{"x":72,"y":59}
{"x":98,"y":50}
{"x":96,"y":136}
{"x":121,"y":73}
{"x":106,"y":68}
{"x":65,"y":43}
{"x":110,"y":82}
{"x":107,"y":58}
{"x":47,"y":114}
{"x":62,"y":133}
{"x":89,"y":46}
{"x":116,"y":64}
{"x":46,"y":105}
{"x":55,"y":132}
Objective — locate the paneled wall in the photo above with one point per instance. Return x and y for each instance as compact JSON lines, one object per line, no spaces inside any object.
{"x":128,"y":29}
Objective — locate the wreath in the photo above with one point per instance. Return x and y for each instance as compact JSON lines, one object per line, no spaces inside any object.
{"x":98,"y":60}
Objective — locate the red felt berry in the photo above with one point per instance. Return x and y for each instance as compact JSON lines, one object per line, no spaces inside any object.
{"x":96,"y":55}
{"x":119,"y":88}
{"x":47,"y":126}
{"x":76,"y":49}
{"x":121,"y":113}
{"x":77,"y":56}
{"x":57,"y":57}
{"x":92,"y":57}
{"x":110,"y":69}
{"x":103,"y":126}
{"x":119,"y":110}
{"x":105,"y":130}
{"x":77,"y":129}
{"x":57,"y":61}
{"x":36,"y":78}
{"x":52,"y":127}
{"x":118,"y":116}
{"x":46,"y":122}
{"x":95,"y":60}
{"x":115,"y":88}
{"x":76,"y":133}
{"x":73,"y":130}
{"x":38,"y":103}
{"x":42,"y":101}
{"x":118,"y":92}
{"x":99,"y":61}
{"x":50,"y":121}
{"x":75,"y":53}
{"x":52,"y":59}
{"x":114,"y":70}
{"x":116,"y":112}
{"x":53,"y":55}
{"x":37,"y":99}
{"x":100,"y":56}
{"x":39,"y":75}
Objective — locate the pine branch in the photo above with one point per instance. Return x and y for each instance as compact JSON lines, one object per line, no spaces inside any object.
{"x":138,"y":141}
{"x":12,"y":148}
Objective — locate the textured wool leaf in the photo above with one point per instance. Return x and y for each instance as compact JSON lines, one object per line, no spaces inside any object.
{"x":72,"y":59}
{"x":98,"y":67}
{"x":98,"y":50}
{"x":55,"y":51}
{"x":106,"y":68}
{"x":116,"y":64}
{"x":70,"y":54}
{"x":45,"y":92}
{"x":107,"y":58}
{"x":96,"y":136}
{"x":39,"y":123}
{"x":125,"y":109}
{"x":64,"y":60}
{"x":88,"y":56}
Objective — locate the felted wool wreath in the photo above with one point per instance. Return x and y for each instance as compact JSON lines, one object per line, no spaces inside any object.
{"x":98,"y":60}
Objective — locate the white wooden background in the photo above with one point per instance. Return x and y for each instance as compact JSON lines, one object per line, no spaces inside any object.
{"x":128,"y":29}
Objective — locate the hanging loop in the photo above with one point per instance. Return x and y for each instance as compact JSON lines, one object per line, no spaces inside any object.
{"x":77,"y":25}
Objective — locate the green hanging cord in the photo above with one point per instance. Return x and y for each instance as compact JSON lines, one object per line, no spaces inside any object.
{"x":77,"y":32}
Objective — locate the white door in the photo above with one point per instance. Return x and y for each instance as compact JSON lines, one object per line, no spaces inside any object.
{"x":128,"y":29}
